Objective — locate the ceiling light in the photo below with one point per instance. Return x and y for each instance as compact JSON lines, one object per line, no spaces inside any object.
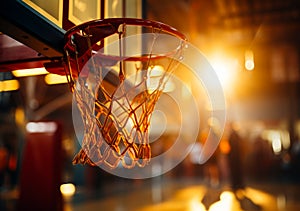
{"x":41,"y":127}
{"x":30,"y":72}
{"x":249,"y":60}
{"x":52,"y":79}
{"x":9,"y":85}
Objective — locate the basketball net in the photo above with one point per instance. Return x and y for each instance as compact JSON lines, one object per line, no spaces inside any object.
{"x":116,"y":116}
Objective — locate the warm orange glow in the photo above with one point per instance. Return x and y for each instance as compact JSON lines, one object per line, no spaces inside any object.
{"x":191,"y":199}
{"x":156,"y":70}
{"x":49,"y":78}
{"x":226,"y":69}
{"x":227,"y":202}
{"x":19,"y":116}
{"x":224,"y":147}
{"x":9,"y":85}
{"x":268,"y":201}
{"x":52,"y":79}
{"x":29,"y":72}
{"x":155,"y":74}
{"x":188,"y":199}
{"x":249,"y":64}
{"x":249,"y":60}
{"x":279,"y":139}
{"x":67,"y":190}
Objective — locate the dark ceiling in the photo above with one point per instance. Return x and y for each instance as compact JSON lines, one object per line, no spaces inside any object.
{"x":230,"y":22}
{"x":234,"y":24}
{"x":238,"y":21}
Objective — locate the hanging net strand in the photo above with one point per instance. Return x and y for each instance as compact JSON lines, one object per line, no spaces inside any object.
{"x":116,"y":119}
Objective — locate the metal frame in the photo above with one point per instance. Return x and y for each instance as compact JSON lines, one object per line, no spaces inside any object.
{"x":24,"y":24}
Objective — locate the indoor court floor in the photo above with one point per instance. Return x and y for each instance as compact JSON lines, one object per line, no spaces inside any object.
{"x":185,"y":195}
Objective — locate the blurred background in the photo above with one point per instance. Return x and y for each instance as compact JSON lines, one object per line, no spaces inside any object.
{"x":254,"y":48}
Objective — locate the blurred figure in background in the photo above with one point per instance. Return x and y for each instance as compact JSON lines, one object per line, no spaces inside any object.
{"x":236,"y":169}
{"x":211,"y":167}
{"x":296,"y":158}
{"x":235,"y":159}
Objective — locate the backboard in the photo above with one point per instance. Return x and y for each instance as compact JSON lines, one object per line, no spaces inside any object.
{"x":40,"y":25}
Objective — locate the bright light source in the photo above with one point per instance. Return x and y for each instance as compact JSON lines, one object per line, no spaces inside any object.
{"x":52,"y":79}
{"x":227,"y":202}
{"x":9,"y":85}
{"x":196,"y":205}
{"x":226,"y":196}
{"x":276,"y":145}
{"x":30,"y":72}
{"x":41,"y":127}
{"x":285,"y":138}
{"x":226,"y":69}
{"x":156,"y":70}
{"x":67,"y":190}
{"x":155,"y":74}
{"x":274,"y":137}
{"x":19,"y":116}
{"x":249,"y":64}
{"x":249,"y":60}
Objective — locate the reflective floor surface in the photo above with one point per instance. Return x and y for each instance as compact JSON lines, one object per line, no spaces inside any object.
{"x":184,"y":195}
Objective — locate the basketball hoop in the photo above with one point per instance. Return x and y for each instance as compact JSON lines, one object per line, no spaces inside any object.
{"x":117,"y":69}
